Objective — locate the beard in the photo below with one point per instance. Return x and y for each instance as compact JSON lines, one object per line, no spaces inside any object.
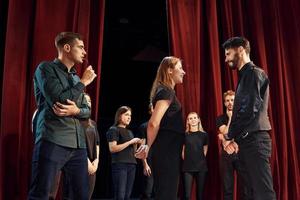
{"x":234,"y":62}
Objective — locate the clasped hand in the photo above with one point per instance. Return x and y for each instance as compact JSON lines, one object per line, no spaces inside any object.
{"x":142,"y":152}
{"x":69,"y":109}
{"x":230,"y":146}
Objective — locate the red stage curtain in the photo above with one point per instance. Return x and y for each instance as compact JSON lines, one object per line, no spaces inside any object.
{"x":197,"y":30}
{"x":31,"y":29}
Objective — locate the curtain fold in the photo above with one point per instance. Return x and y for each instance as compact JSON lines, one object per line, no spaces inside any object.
{"x":30,"y":33}
{"x":274,"y":36}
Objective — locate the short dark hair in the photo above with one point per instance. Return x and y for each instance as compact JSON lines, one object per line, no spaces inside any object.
{"x":235,"y":42}
{"x":66,"y":38}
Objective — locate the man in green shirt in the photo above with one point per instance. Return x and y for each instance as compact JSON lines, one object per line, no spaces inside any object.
{"x":59,"y":137}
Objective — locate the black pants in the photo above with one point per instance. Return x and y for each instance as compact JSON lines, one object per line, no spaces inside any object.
{"x":123,"y":175}
{"x":92,"y":181}
{"x":166,"y":151}
{"x":254,"y":154}
{"x":229,"y":164}
{"x":188,"y":183}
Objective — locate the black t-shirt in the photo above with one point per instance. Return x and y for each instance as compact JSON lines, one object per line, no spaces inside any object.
{"x":121,"y":135}
{"x":92,"y":139}
{"x":172,"y":119}
{"x":221,"y":120}
{"x":194,"y":158}
{"x":143,"y":130}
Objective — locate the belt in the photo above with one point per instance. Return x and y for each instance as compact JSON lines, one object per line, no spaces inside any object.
{"x":247,"y":134}
{"x":242,"y":137}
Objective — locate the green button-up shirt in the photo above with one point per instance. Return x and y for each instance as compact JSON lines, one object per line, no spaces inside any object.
{"x":54,"y":83}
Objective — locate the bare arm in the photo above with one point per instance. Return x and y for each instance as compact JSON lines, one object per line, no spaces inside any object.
{"x":225,"y":127}
{"x":98,"y":151}
{"x":147,"y":169}
{"x":95,"y":163}
{"x":114,"y":147}
{"x":182,"y":153}
{"x":205,"y":148}
{"x":160,"y":109}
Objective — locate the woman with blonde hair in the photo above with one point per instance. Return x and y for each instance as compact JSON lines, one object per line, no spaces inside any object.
{"x":193,"y":154}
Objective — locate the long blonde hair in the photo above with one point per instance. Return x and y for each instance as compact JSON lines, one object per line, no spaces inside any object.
{"x":188,"y":127}
{"x":162,"y":75}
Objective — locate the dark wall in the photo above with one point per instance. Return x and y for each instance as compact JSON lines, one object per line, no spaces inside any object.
{"x":135,"y":40}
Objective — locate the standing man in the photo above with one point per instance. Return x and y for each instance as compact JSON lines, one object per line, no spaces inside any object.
{"x":230,"y":162}
{"x":250,"y":125}
{"x":60,"y":140}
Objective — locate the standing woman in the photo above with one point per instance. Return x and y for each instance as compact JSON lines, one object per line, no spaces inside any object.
{"x":122,"y":145}
{"x":193,"y":154}
{"x":93,"y":147}
{"x":165,"y":131}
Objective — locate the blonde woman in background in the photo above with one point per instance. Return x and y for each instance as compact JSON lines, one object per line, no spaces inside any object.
{"x":194,"y":156}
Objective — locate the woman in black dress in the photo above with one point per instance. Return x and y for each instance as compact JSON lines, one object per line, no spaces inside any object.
{"x":165,"y":131}
{"x":193,"y":154}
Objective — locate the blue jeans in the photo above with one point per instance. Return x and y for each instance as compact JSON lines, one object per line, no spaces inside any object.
{"x":123,"y":175}
{"x":48,"y":159}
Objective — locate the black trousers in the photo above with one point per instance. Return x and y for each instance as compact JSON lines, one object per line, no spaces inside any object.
{"x":228,"y":165}
{"x":92,"y":181}
{"x":123,"y":175}
{"x":254,"y":154}
{"x":166,"y":151}
{"x":188,"y":183}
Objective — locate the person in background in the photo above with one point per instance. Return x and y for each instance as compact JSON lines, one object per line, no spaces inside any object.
{"x":93,"y":147}
{"x":194,"y":156}
{"x":122,"y":146}
{"x":230,"y":162}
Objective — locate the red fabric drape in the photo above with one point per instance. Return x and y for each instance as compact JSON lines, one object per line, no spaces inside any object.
{"x":197,"y":30}
{"x":31,"y":29}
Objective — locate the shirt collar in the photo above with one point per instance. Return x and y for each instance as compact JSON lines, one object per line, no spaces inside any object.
{"x":245,"y":68}
{"x":64,"y":67}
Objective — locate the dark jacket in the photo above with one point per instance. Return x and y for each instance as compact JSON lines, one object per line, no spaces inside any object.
{"x":250,"y":110}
